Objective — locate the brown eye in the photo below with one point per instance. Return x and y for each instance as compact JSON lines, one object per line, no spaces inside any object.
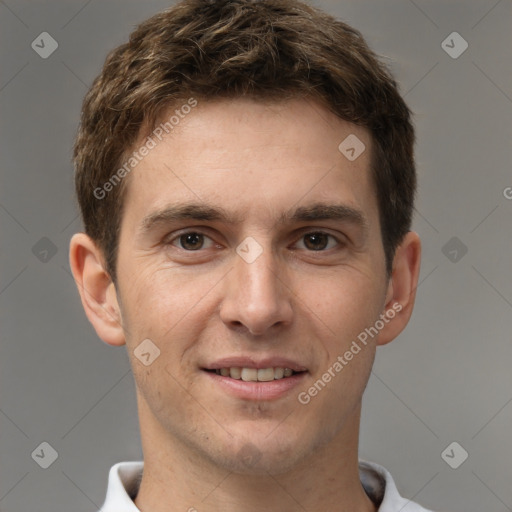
{"x":191,"y":241}
{"x":316,"y":241}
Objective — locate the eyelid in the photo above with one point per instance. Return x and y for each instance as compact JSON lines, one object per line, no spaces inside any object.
{"x":309,"y":231}
{"x":176,"y":235}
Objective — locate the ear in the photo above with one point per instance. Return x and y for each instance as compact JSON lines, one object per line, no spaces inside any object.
{"x":402,"y":285}
{"x":97,"y":291}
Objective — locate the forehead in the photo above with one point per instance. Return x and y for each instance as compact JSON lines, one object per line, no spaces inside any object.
{"x":250,"y":156}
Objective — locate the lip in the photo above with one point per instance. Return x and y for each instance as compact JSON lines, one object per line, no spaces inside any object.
{"x":249,"y":362}
{"x":258,"y":391}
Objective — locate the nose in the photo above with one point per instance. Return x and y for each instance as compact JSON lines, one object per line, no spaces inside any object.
{"x":256,"y":296}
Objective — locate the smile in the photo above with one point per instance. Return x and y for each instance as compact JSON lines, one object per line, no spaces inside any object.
{"x":255,"y":375}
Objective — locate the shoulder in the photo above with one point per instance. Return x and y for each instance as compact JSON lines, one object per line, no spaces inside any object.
{"x":380,"y":487}
{"x":123,"y":485}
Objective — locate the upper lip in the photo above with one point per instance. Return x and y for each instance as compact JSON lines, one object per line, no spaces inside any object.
{"x":253,"y":362}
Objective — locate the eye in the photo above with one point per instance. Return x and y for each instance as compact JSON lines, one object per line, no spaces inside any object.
{"x":191,"y":241}
{"x":318,"y":241}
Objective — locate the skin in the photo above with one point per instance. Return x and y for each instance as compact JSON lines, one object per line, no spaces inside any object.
{"x":204,"y":448}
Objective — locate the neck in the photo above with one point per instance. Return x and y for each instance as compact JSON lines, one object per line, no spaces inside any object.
{"x":177,"y":478}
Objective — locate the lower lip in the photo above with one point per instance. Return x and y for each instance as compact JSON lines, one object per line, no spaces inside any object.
{"x":262,"y":391}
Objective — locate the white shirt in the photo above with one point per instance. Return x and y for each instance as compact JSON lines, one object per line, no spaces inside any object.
{"x":125,"y":477}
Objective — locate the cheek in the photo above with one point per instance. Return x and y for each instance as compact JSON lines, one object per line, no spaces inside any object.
{"x":172,"y":310}
{"x":337,"y":385}
{"x":165,"y":308}
{"x":342,"y":307}
{"x":160,"y":302}
{"x":345,"y":303}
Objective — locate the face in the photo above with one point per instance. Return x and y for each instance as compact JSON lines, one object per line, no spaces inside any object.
{"x":249,"y":241}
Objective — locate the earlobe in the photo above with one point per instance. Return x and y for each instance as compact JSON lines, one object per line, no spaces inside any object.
{"x":97,"y":291}
{"x":402,"y":286}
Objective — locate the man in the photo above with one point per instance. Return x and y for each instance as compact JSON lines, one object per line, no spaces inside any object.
{"x":246,"y":179}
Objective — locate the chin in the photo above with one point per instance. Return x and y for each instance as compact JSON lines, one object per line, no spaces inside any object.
{"x":263,"y":454}
{"x":252,"y":461}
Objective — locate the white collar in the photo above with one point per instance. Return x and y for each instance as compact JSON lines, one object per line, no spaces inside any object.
{"x":125,"y":477}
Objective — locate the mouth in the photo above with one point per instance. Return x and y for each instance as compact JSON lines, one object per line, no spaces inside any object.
{"x":263,"y":380}
{"x":255,"y":374}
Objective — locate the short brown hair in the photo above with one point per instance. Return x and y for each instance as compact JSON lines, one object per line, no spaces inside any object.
{"x":263,"y":49}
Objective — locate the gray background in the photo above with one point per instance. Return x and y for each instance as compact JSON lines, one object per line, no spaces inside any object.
{"x":446,"y":378}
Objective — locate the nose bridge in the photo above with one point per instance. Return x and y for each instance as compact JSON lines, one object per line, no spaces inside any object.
{"x":259,"y":276}
{"x":256,"y":297}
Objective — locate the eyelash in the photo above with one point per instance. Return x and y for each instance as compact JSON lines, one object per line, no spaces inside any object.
{"x":196,"y":232}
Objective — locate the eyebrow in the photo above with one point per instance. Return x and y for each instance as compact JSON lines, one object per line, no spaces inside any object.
{"x":205,"y":212}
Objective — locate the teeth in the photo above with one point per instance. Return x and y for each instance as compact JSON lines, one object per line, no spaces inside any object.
{"x":255,"y":375}
{"x":235,"y":373}
{"x":265,"y":374}
{"x":249,"y":374}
